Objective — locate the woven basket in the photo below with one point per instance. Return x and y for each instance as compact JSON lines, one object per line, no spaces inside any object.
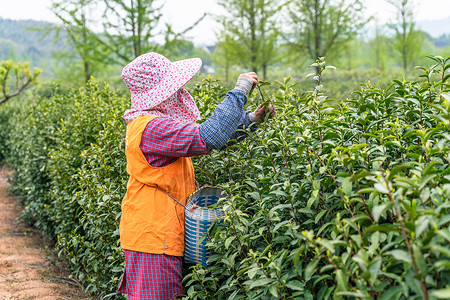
{"x":198,"y":222}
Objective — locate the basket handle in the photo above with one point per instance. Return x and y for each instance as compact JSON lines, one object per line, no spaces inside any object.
{"x":170,"y":196}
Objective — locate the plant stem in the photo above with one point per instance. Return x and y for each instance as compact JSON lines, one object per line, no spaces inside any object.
{"x":408,"y":245}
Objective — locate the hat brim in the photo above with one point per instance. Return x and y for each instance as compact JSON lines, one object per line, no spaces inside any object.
{"x":181,"y":72}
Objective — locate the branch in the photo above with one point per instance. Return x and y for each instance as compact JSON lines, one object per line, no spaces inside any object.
{"x":4,"y":84}
{"x":23,"y":78}
{"x":9,"y":96}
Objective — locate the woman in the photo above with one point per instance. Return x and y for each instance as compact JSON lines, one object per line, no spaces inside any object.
{"x":161,"y":137}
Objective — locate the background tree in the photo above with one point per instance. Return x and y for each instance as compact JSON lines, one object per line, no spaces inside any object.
{"x":348,"y":54}
{"x":130,"y":28}
{"x":252,"y":31}
{"x":177,"y":47}
{"x":75,"y":16}
{"x":135,"y":25}
{"x":378,"y":49}
{"x":226,"y":53}
{"x":15,"y":78}
{"x":111,"y":33}
{"x":322,"y":26}
{"x":407,"y":41}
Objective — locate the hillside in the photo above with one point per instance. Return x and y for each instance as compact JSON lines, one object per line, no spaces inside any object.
{"x":25,"y":40}
{"x":435,"y":28}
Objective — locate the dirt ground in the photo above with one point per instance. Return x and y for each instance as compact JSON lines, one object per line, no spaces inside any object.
{"x":28,"y":269}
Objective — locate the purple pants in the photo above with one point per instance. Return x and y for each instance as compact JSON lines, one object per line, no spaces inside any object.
{"x":151,"y":276}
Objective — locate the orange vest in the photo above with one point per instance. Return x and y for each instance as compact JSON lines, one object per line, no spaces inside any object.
{"x":151,"y":221}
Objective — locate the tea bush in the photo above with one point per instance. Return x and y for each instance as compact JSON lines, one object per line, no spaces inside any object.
{"x":70,"y":175}
{"x":31,"y":136}
{"x":344,"y":199}
{"x":5,"y":114}
{"x":336,"y":201}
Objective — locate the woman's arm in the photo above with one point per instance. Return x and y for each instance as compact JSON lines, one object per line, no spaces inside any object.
{"x":164,"y":140}
{"x":163,"y":137}
{"x":229,"y":115}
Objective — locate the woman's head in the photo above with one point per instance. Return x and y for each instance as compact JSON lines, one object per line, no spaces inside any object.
{"x":155,"y":84}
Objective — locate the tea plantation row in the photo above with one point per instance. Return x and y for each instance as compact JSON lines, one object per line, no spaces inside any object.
{"x":332,"y":199}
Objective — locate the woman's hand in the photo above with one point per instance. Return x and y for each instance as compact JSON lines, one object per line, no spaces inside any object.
{"x":252,"y":76}
{"x":259,"y":114}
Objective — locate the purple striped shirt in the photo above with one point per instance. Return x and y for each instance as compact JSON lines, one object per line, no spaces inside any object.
{"x":164,"y":140}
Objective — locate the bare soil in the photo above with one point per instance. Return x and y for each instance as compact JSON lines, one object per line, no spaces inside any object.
{"x":28,"y":268}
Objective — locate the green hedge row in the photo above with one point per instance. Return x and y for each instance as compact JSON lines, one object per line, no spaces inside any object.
{"x":67,"y":151}
{"x":4,"y":132}
{"x":346,"y":200}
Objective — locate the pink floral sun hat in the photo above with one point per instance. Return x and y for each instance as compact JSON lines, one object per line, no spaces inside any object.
{"x":156,"y":87}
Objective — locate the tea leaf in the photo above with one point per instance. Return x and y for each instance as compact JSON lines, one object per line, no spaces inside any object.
{"x":400,"y":255}
{"x":441,"y":293}
{"x":295,"y":285}
{"x":260,"y":282}
{"x":228,"y":241}
{"x":341,"y":280}
{"x":347,"y":186}
{"x":394,"y":292}
{"x":311,"y":269}
{"x":381,"y":187}
{"x":378,"y":210}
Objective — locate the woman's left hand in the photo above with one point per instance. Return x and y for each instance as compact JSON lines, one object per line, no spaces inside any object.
{"x":260,"y":113}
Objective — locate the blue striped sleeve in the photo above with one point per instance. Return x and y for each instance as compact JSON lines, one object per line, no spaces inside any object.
{"x":241,"y":132}
{"x":225,"y":122}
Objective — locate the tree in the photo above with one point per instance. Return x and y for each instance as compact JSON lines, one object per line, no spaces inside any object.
{"x":14,"y":78}
{"x":130,"y":28}
{"x":76,"y":18}
{"x":177,"y":47}
{"x":225,"y":53}
{"x":322,"y":26}
{"x":252,"y":32}
{"x":123,"y":30}
{"x":378,"y":49}
{"x":407,"y":41}
{"x":349,"y":54}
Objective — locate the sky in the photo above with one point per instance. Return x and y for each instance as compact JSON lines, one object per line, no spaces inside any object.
{"x":183,"y":13}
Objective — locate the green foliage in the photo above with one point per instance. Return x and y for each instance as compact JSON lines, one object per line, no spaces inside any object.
{"x":346,"y":201}
{"x":407,"y":41}
{"x":6,"y":112}
{"x":4,"y":128}
{"x":22,"y":37}
{"x":31,"y":137}
{"x":70,"y":175}
{"x":250,"y":34}
{"x":332,"y":199}
{"x":15,"y":78}
{"x":323,"y":27}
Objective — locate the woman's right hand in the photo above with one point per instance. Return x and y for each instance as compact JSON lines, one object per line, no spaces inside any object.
{"x":252,"y":76}
{"x":246,"y":82}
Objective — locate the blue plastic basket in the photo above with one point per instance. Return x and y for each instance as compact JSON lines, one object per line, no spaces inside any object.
{"x":198,"y":221}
